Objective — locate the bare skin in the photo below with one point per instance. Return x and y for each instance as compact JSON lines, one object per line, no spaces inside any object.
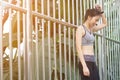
{"x":90,"y":23}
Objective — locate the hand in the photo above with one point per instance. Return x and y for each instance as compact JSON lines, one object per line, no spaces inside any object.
{"x":86,"y":71}
{"x":98,"y":7}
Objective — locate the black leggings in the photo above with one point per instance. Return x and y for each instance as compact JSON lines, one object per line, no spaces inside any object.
{"x":94,"y":74}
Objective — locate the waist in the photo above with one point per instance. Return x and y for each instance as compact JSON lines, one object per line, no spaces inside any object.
{"x":87,"y":50}
{"x":90,"y":58}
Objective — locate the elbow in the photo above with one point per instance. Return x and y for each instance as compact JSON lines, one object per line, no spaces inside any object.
{"x":78,"y":49}
{"x":105,"y":24}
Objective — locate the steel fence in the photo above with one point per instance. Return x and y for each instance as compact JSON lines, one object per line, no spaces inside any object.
{"x":40,"y":42}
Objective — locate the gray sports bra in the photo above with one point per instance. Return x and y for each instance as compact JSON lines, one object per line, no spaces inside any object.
{"x":88,"y":38}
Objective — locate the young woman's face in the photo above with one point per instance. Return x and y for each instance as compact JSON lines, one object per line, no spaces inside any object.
{"x":93,"y":21}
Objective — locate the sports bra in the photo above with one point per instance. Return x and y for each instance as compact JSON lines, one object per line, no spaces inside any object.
{"x":88,"y":38}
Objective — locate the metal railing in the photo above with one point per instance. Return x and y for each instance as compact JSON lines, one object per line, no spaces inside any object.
{"x":43,"y":33}
{"x":107,"y":56}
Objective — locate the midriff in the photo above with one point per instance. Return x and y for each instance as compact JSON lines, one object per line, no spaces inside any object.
{"x":87,"y":50}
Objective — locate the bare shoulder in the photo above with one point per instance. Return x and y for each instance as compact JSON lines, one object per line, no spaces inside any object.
{"x":80,"y":30}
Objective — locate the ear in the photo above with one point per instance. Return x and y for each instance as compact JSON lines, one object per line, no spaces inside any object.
{"x":89,"y":17}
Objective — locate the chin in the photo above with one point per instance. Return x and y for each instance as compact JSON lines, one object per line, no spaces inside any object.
{"x":94,"y":25}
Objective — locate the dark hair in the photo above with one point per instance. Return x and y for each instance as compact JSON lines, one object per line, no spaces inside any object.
{"x":92,"y":12}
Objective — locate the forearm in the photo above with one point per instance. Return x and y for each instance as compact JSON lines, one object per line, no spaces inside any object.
{"x":104,"y":21}
{"x":81,"y":58}
{"x":79,"y":45}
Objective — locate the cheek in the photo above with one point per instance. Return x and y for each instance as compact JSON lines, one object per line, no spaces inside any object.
{"x":92,"y":23}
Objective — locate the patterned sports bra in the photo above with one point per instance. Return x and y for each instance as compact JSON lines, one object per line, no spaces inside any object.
{"x":88,"y":38}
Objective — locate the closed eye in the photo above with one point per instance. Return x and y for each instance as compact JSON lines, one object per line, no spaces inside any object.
{"x":97,"y":20}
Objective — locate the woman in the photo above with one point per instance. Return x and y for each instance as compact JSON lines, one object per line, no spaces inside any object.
{"x":85,"y":40}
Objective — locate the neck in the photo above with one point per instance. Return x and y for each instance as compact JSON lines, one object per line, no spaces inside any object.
{"x":87,"y":25}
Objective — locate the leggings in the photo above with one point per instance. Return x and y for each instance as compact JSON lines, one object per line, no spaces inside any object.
{"x":94,"y":74}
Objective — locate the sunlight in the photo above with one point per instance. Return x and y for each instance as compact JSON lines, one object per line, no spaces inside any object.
{"x":7,"y":51}
{"x":6,"y":26}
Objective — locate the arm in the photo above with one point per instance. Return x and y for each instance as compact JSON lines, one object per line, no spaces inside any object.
{"x":78,"y":45}
{"x":102,"y":25}
{"x":79,"y":34}
{"x":104,"y":20}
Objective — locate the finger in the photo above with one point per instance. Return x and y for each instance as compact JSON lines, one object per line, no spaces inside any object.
{"x":97,"y":6}
{"x":86,"y":74}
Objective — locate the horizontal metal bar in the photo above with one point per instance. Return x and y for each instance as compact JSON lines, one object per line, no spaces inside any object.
{"x":53,"y":19}
{"x":12,"y":6}
{"x":24,"y":10}
{"x":107,"y":38}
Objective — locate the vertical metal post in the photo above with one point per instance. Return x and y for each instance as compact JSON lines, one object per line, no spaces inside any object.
{"x":94,"y":2}
{"x":91,"y":4}
{"x":36,"y":33}
{"x":25,"y":44}
{"x":49,"y":45}
{"x":19,"y":39}
{"x":64,"y":12}
{"x":43,"y":45}
{"x":107,"y":8}
{"x":73,"y":31}
{"x":81,"y":10}
{"x":113,"y":76}
{"x":117,"y":23}
{"x":119,"y":60}
{"x":108,"y":57}
{"x":60,"y":53}
{"x":104,"y":45}
{"x":113,"y":25}
{"x":116,"y":67}
{"x":87,"y":4}
{"x":111,"y":59}
{"x":74,"y":54}
{"x":77,"y":14}
{"x":100,"y":57}
{"x":29,"y":36}
{"x":54,"y":25}
{"x":10,"y":43}
{"x":109,"y":35}
{"x":77,"y":17}
{"x":96,"y":47}
{"x":119,"y":44}
{"x":69,"y":50}
{"x":115,"y":61}
{"x":84,"y":7}
{"x":1,"y":43}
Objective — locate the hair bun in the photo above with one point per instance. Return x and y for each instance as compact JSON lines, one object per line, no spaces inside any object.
{"x":98,"y":9}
